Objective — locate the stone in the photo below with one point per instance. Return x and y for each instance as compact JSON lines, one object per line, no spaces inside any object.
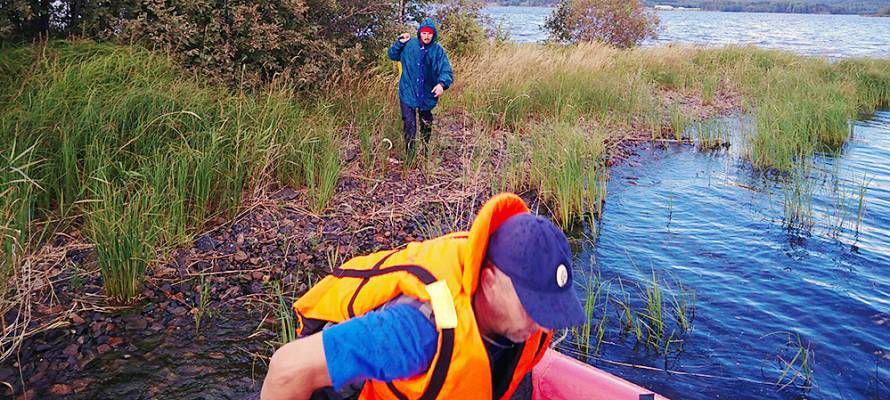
{"x":205,"y":243}
{"x":60,"y":389}
{"x":97,"y":327}
{"x":136,"y":323}
{"x":78,"y":385}
{"x":77,"y":320}
{"x":88,"y":358}
{"x":166,"y":272}
{"x":72,"y":350}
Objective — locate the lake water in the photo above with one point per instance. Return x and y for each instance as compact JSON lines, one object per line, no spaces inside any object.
{"x":706,"y":220}
{"x":809,"y":34}
{"x":711,"y":223}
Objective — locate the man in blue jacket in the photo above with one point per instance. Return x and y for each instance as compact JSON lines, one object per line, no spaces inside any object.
{"x":426,"y":73}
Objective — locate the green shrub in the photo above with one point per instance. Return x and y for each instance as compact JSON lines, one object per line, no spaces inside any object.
{"x":620,"y":23}
{"x":461,"y":27}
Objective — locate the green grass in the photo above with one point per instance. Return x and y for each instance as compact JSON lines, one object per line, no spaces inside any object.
{"x":797,"y":201}
{"x":566,"y":168}
{"x":85,"y":121}
{"x":596,"y":302}
{"x":202,"y":306}
{"x":657,"y":315}
{"x":287,"y":329}
{"x":142,"y":153}
{"x":712,"y":135}
{"x":795,"y":363}
{"x":801,"y":105}
{"x":16,"y":198}
{"x":510,"y":86}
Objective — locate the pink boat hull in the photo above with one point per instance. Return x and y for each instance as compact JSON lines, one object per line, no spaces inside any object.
{"x":559,"y":377}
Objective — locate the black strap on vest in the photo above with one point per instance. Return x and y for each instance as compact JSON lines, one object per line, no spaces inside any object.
{"x":446,"y":349}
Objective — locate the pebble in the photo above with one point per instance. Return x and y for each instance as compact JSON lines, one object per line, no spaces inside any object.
{"x":88,"y":358}
{"x":136,"y":323}
{"x":72,"y":350}
{"x":205,"y":243}
{"x":76,"y":319}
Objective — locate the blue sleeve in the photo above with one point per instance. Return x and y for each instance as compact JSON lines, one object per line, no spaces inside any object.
{"x":394,"y":343}
{"x":395,"y":52}
{"x":446,"y":77}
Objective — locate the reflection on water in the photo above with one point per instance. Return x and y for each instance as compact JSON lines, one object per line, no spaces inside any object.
{"x":710,"y":222}
{"x":808,"y":34}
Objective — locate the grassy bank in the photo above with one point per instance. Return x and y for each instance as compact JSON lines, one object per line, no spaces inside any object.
{"x":124,"y":147}
{"x":801,"y":105}
{"x":118,"y":147}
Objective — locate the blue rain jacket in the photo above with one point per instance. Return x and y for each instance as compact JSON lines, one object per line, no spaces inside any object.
{"x":423,"y":67}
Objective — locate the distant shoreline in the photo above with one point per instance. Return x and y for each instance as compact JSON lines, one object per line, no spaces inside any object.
{"x":767,"y":7}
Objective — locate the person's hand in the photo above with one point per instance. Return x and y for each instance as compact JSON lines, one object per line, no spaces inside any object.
{"x":437,"y":90}
{"x":404,"y":37}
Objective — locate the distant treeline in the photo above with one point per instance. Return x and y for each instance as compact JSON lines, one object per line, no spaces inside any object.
{"x":774,"y":6}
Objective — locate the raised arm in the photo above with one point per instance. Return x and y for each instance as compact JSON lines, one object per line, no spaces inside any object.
{"x":395,"y":52}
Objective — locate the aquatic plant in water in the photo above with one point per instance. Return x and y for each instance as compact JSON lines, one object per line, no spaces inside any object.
{"x":667,"y":313}
{"x":794,"y":362}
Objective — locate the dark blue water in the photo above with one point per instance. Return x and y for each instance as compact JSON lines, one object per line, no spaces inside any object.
{"x":808,"y":34}
{"x":708,"y":221}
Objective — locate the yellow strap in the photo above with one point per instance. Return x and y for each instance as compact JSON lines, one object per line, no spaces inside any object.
{"x":443,"y":305}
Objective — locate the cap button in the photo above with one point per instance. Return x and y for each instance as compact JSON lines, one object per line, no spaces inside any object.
{"x":562,"y":275}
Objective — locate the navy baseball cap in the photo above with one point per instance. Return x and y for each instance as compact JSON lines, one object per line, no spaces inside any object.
{"x":535,"y":254}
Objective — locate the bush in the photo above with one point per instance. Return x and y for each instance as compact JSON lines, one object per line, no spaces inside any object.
{"x":311,"y":41}
{"x":618,"y":23}
{"x":460,"y":24}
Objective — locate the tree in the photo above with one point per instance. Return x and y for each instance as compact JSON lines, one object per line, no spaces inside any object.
{"x":460,"y":24}
{"x":310,"y":41}
{"x":620,"y":23}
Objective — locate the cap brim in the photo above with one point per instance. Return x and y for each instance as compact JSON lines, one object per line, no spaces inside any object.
{"x":552,"y":310}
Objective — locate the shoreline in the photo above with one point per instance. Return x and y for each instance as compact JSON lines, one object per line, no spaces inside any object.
{"x":232,"y":263}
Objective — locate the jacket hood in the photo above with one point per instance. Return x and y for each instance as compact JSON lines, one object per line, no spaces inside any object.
{"x":430,"y":24}
{"x":495,"y":211}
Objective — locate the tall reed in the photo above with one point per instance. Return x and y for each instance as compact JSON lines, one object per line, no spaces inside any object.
{"x":567,"y":169}
{"x":168,"y":149}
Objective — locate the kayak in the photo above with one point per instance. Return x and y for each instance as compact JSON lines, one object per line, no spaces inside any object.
{"x":560,"y":377}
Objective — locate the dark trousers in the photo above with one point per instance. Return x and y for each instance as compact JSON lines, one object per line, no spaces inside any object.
{"x":409,"y":121}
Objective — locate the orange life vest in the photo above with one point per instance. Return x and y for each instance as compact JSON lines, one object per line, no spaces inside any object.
{"x":460,"y":368}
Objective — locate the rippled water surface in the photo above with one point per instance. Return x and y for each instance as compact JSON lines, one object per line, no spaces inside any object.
{"x":708,"y":221}
{"x":810,"y":34}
